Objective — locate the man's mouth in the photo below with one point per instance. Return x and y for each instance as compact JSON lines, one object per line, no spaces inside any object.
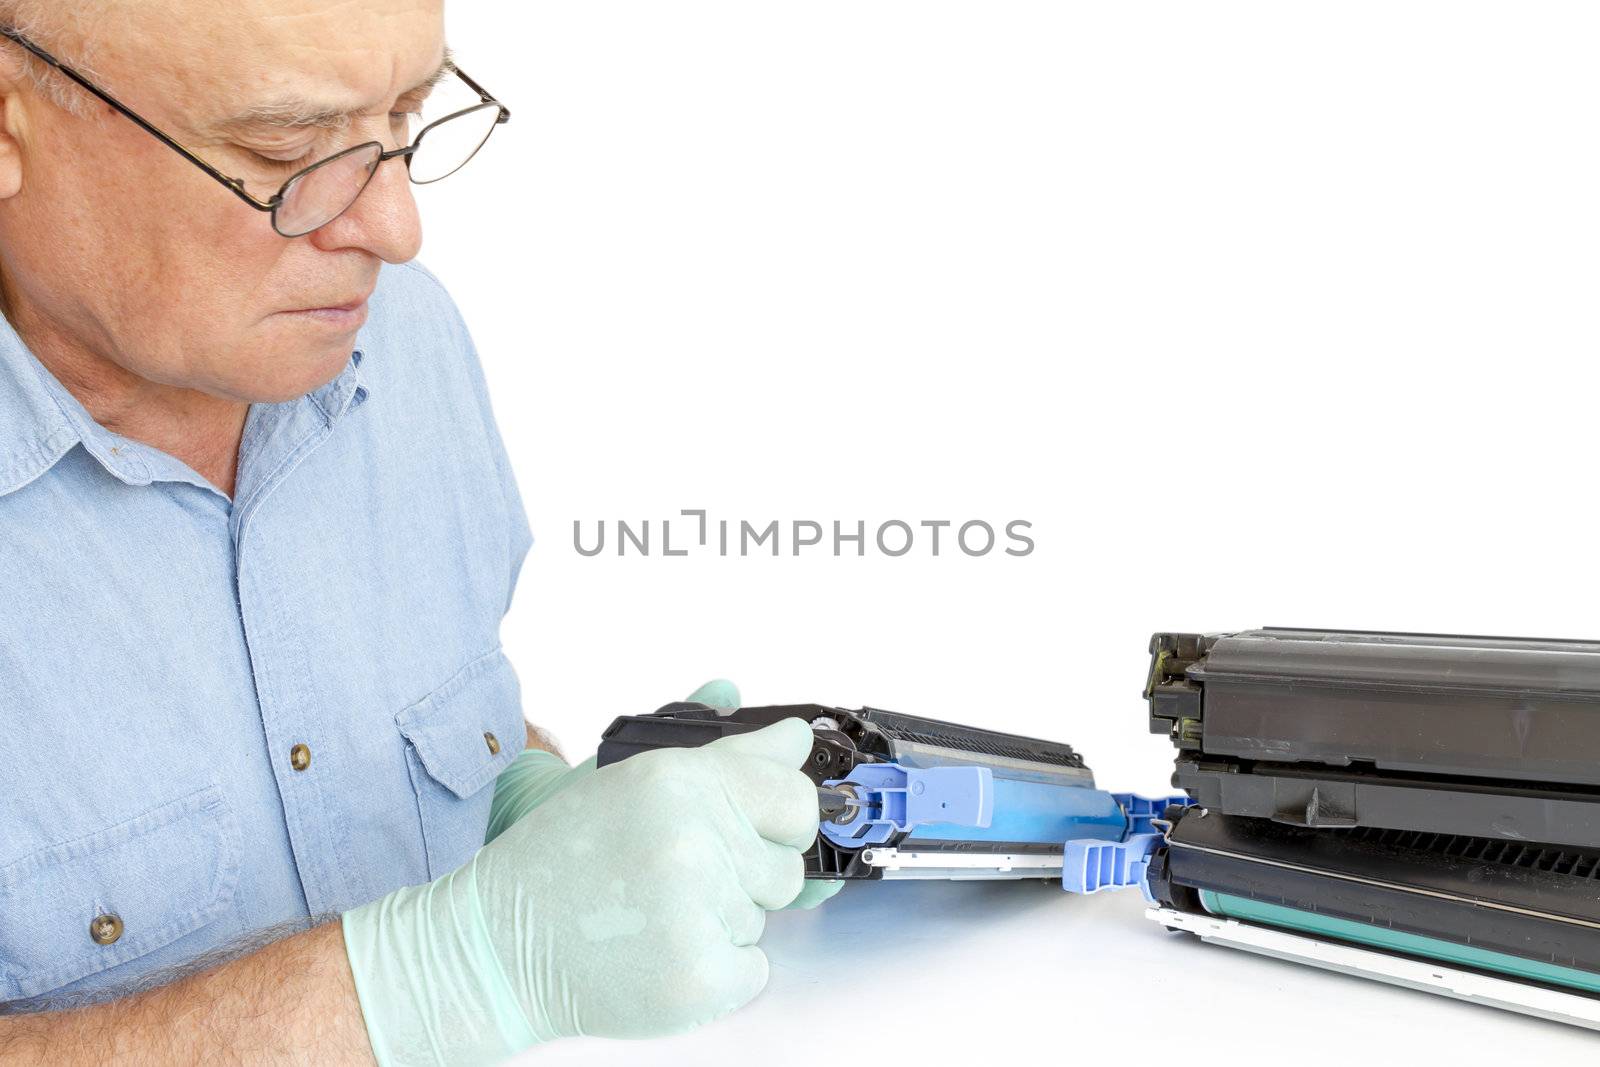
{"x":351,"y":304}
{"x":343,"y":319}
{"x":346,"y":313}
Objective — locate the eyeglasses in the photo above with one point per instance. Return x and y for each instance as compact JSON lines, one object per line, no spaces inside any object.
{"x":320,"y":193}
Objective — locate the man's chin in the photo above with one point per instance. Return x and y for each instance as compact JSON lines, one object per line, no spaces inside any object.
{"x":279,"y":380}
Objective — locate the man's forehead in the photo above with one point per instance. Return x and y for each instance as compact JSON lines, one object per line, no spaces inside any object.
{"x":327,"y":103}
{"x":202,"y":65}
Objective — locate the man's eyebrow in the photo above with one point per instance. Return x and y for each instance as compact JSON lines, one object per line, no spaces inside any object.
{"x":296,"y":112}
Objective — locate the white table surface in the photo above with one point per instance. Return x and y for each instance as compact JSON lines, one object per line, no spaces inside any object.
{"x":892,"y":973}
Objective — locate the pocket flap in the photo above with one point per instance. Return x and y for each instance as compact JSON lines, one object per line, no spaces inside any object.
{"x":161,"y":875}
{"x":451,"y":727}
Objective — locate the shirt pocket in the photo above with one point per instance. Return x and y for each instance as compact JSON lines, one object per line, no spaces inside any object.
{"x":460,"y":737}
{"x":84,"y":906}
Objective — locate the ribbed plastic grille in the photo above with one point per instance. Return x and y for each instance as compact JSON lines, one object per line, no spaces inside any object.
{"x":983,"y":745}
{"x":1554,"y":859}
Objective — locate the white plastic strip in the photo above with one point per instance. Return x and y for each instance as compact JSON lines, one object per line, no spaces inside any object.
{"x":1430,"y":977}
{"x":902,"y":863}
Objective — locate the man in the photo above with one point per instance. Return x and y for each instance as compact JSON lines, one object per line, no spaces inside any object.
{"x":257,"y":532}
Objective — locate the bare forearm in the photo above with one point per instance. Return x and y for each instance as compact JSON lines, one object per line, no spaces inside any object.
{"x":292,"y":1002}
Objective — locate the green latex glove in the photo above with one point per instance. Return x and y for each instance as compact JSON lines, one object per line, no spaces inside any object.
{"x":721,"y":693}
{"x":532,"y":778}
{"x":626,"y":905}
{"x":815,"y":891}
{"x":536,"y":775}
{"x":718,"y":693}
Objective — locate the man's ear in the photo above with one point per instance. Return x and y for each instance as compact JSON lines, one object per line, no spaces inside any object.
{"x":13,"y":124}
{"x":13,"y":119}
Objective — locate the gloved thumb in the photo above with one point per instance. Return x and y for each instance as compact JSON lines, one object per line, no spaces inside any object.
{"x":717,"y":693}
{"x":787,"y":742}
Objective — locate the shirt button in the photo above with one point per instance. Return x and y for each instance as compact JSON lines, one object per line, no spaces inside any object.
{"x":104,"y":929}
{"x":300,"y":757}
{"x":493,"y":742}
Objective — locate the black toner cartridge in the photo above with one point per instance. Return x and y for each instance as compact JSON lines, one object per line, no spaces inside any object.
{"x":1481,"y":736}
{"x":1419,"y":809}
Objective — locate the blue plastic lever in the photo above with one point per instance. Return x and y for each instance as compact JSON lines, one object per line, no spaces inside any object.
{"x":896,"y":799}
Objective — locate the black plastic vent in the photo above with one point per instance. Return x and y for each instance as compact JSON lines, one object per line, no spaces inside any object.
{"x":1551,"y":859}
{"x":978,"y":742}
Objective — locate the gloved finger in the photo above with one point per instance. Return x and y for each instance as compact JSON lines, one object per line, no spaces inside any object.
{"x":742,"y":917}
{"x":717,"y":693}
{"x":770,"y":875}
{"x":714,"y":975}
{"x":815,"y":891}
{"x":776,"y":801}
{"x":742,"y":972}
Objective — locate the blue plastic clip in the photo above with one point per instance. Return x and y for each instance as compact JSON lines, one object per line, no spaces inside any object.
{"x":1143,"y":811}
{"x":896,"y":799}
{"x":1088,"y":866}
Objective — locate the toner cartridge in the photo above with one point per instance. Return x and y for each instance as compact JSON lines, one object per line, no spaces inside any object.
{"x":1518,"y":925}
{"x":906,"y":797}
{"x":1420,"y":809}
{"x":1492,"y":737}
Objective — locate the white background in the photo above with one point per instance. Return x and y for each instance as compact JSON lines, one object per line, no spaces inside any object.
{"x":1261,"y":313}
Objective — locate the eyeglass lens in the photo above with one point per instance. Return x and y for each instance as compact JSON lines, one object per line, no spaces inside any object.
{"x":444,"y":147}
{"x":321,"y":194}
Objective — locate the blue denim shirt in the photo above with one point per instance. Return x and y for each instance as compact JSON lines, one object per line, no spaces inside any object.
{"x":164,"y":652}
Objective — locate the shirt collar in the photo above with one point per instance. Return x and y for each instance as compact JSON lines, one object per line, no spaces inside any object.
{"x":346,"y":391}
{"x":34,"y":431}
{"x":40,"y":421}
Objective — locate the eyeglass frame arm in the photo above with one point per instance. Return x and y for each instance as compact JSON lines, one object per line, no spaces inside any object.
{"x":236,"y":185}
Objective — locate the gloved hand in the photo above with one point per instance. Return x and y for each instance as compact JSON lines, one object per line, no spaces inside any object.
{"x":536,"y":775}
{"x":627,"y":905}
{"x":721,"y":693}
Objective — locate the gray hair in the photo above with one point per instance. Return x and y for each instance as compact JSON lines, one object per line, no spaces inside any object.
{"x":45,"y":22}
{"x":215,"y":957}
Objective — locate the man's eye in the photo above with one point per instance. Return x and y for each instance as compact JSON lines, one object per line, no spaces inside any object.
{"x":310,"y":156}
{"x":303,"y":160}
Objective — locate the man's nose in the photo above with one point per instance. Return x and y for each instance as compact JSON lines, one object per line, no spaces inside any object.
{"x":383,"y":220}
